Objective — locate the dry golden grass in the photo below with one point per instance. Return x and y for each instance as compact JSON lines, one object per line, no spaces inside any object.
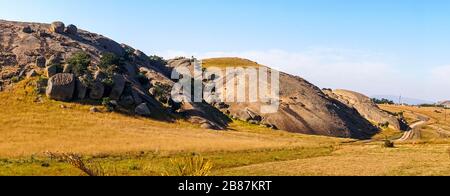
{"x":229,"y":62}
{"x":140,"y":146}
{"x":426,"y":156}
{"x":388,"y":133}
{"x":28,"y":128}
{"x":437,"y":128}
{"x":361,"y":160}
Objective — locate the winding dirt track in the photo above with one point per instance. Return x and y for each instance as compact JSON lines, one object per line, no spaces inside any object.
{"x":415,"y":129}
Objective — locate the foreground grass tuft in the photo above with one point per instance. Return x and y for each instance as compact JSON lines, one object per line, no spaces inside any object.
{"x":195,"y":165}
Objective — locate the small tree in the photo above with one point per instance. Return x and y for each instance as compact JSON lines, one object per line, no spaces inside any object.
{"x":79,"y":62}
{"x":107,"y":60}
{"x":109,"y":64}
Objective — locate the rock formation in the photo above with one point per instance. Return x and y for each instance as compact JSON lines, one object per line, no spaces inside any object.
{"x":304,"y":108}
{"x":127,"y":80}
{"x":61,"y":87}
{"x":142,"y":85}
{"x":367,"y":108}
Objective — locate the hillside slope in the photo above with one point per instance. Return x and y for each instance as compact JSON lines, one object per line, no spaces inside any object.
{"x":125,"y":75}
{"x":304,"y":107}
{"x":82,"y":66}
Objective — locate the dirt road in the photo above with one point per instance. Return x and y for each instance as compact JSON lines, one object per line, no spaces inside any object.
{"x":415,"y":129}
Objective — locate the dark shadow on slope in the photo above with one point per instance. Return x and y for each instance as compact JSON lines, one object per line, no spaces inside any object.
{"x":362,"y":128}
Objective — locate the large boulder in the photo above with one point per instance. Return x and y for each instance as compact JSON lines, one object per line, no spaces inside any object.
{"x":61,"y":87}
{"x":40,"y":61}
{"x":126,"y":100}
{"x":97,"y":90}
{"x":118,"y":87}
{"x":51,"y":70}
{"x":27,"y":29}
{"x":81,"y":88}
{"x":72,"y":29}
{"x":57,"y":27}
{"x":136,"y":97}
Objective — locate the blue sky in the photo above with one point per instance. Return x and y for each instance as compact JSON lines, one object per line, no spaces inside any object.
{"x":371,"y":46}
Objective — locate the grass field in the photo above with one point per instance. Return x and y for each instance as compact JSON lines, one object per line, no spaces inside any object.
{"x":228,"y":62}
{"x":128,"y":145}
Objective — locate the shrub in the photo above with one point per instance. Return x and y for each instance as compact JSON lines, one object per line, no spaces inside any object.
{"x":109,"y":64}
{"x":141,"y":78}
{"x":162,"y":92}
{"x":107,"y":60}
{"x":388,"y":144}
{"x":108,"y":82}
{"x":15,"y":79}
{"x":194,"y":165}
{"x":106,"y":102}
{"x":80,"y":62}
{"x":157,"y":61}
{"x":384,"y":125}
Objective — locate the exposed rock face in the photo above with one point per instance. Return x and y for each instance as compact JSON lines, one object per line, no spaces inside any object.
{"x":119,"y":86}
{"x":304,"y":108}
{"x":27,"y":29}
{"x":142,"y":110}
{"x":54,"y":60}
{"x":61,"y":87}
{"x":51,"y":70}
{"x":366,"y":107}
{"x":57,"y":27}
{"x":97,"y":90}
{"x":81,"y":88}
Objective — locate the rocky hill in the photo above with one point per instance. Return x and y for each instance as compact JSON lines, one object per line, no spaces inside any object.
{"x":80,"y":66}
{"x":368,"y":109}
{"x":75,"y":65}
{"x":304,"y":108}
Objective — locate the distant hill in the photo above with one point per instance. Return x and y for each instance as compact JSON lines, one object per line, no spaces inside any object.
{"x":404,"y":100}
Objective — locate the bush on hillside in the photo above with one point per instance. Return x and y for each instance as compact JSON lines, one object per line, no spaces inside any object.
{"x":157,"y":61}
{"x":79,"y":62}
{"x":388,"y":144}
{"x":384,"y":125}
{"x":107,"y":60}
{"x":109,"y":64}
